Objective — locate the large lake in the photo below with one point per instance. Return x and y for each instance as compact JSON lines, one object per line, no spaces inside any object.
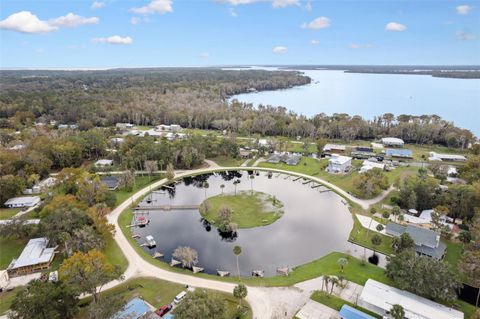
{"x":368,"y":95}
{"x":315,"y":223}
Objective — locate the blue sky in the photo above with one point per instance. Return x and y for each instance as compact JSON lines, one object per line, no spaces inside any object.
{"x":132,"y":33}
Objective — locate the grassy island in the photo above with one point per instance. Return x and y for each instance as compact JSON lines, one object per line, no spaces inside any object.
{"x":248,"y":209}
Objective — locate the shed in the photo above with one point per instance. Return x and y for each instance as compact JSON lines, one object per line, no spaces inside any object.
{"x":392,"y":141}
{"x":104,"y":162}
{"x":112,"y":182}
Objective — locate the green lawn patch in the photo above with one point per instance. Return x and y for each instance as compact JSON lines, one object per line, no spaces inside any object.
{"x":6,"y":299}
{"x":361,"y":236}
{"x":453,"y":255}
{"x":6,"y":213}
{"x":114,"y":254}
{"x":249,"y":209}
{"x":307,"y":166}
{"x":9,"y":249}
{"x":336,"y":303}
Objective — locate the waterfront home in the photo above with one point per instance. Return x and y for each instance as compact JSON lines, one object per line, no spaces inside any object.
{"x":446,"y":157}
{"x":34,"y":257}
{"x":22,"y":201}
{"x":103,"y":163}
{"x":339,"y":164}
{"x":112,"y":182}
{"x":380,"y":298}
{"x":368,"y":165}
{"x":427,"y":242}
{"x":287,"y":158}
{"x":392,"y":141}
{"x":168,"y":128}
{"x":399,"y":153}
{"x":334,"y":149}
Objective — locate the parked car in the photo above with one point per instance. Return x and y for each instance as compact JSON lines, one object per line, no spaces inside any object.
{"x":179,"y":297}
{"x":163,"y":310}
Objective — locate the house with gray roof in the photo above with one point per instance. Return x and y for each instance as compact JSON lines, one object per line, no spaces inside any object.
{"x":34,"y":257}
{"x":427,"y":242}
{"x":112,"y":182}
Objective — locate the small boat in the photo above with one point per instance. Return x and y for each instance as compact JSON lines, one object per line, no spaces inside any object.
{"x":136,"y":236}
{"x":223,"y":273}
{"x":258,"y":273}
{"x":150,"y":241}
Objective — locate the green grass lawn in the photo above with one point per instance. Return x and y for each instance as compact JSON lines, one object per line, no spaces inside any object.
{"x":307,"y":165}
{"x":114,"y":254}
{"x":157,"y":292}
{"x":140,"y":182}
{"x":453,"y":255}
{"x":336,"y":303}
{"x":6,"y":213}
{"x":227,"y":161}
{"x":9,"y":249}
{"x":248,"y":209}
{"x":361,"y":236}
{"x":6,"y":299}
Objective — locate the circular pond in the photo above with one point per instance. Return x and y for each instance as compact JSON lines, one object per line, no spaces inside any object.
{"x":314,"y":223}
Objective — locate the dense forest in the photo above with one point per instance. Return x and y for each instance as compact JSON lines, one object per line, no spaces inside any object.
{"x":196,"y":98}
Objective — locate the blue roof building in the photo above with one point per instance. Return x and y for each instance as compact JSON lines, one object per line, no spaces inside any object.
{"x":134,"y":309}
{"x":348,"y":312}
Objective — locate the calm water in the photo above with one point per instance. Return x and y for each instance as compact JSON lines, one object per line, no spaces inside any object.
{"x":368,"y":95}
{"x":313,"y":225}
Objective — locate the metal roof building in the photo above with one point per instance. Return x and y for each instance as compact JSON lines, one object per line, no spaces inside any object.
{"x":392,"y":141}
{"x":34,"y":257}
{"x":403,"y":153}
{"x":380,"y":298}
{"x":22,"y":201}
{"x":134,"y":309}
{"x":427,"y":242}
{"x":347,"y":312}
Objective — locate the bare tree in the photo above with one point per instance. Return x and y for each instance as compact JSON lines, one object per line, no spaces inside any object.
{"x":151,"y":166}
{"x":186,"y":255}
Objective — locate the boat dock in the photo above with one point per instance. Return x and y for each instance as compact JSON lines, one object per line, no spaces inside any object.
{"x":167,"y":207}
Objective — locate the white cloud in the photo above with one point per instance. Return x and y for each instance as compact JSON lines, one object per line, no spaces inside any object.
{"x":114,"y":39}
{"x":465,"y":36}
{"x":72,"y":20}
{"x":26,"y":22}
{"x":464,"y":9}
{"x":204,"y":55}
{"x":155,"y":6}
{"x":308,"y":6}
{"x":280,"y":50}
{"x":284,"y":3}
{"x":360,"y":46}
{"x":97,"y":5}
{"x":135,"y":20}
{"x":232,"y":12}
{"x":275,"y":3}
{"x":394,"y":26}
{"x":318,"y":23}
{"x":40,"y":51}
{"x":314,"y":42}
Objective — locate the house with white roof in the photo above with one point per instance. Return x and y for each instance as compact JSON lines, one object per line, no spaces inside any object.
{"x":104,"y":162}
{"x":334,"y":148}
{"x":34,"y":257}
{"x":392,"y":141}
{"x":339,"y":164}
{"x":22,"y":201}
{"x":380,"y":298}
{"x":368,"y":165}
{"x":434,"y":156}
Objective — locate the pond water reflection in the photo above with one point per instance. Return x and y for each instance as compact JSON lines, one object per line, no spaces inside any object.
{"x":315,"y":223}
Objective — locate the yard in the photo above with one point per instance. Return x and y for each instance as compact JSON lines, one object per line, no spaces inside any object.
{"x":6,"y":213}
{"x":157,"y":292}
{"x":140,"y":182}
{"x":361,"y":236}
{"x":336,"y":303}
{"x":9,"y":249}
{"x":227,"y":161}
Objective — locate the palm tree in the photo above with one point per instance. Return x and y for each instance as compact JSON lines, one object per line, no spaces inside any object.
{"x":376,"y":241}
{"x":205,"y":186}
{"x":251,"y":183}
{"x":222,"y":187}
{"x":325,"y":280}
{"x":237,"y":250}
{"x":342,"y":262}
{"x":397,"y":312}
{"x":333,"y":281}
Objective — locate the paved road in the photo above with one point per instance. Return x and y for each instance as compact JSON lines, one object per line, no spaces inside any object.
{"x":266,"y":303}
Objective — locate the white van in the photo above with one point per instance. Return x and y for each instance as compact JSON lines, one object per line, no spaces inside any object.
{"x":179,"y":297}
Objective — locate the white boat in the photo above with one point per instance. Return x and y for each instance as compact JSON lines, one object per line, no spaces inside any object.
{"x":150,"y":241}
